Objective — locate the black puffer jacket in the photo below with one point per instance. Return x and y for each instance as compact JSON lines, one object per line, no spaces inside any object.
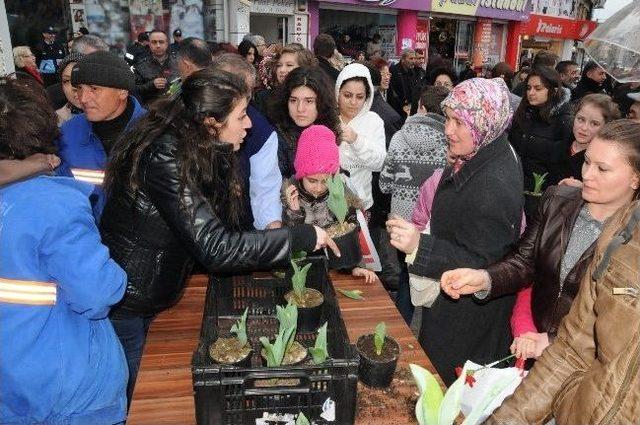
{"x":543,"y":146}
{"x":155,"y":234}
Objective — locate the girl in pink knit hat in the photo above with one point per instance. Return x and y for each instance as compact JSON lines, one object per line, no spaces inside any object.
{"x":305,"y":195}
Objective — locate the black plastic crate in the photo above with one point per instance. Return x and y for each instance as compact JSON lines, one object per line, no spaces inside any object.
{"x":234,"y":395}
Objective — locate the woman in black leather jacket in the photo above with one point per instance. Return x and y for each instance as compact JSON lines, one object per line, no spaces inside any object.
{"x":175,"y":197}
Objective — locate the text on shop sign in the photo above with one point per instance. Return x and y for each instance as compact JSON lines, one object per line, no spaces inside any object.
{"x":516,"y":5}
{"x":545,"y":28}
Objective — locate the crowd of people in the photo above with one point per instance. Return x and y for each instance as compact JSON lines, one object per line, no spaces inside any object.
{"x":487,"y":200}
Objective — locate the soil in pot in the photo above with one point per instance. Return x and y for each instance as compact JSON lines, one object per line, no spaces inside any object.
{"x":346,"y":236}
{"x":309,"y":308}
{"x":377,"y":371}
{"x":228,"y":351}
{"x":295,"y":355}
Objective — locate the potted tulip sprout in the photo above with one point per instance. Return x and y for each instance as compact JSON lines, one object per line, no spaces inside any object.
{"x":308,"y":300}
{"x":344,"y":233}
{"x":233,"y":351}
{"x":378,"y":357}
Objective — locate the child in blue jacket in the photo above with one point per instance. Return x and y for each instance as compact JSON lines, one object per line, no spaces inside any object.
{"x":60,"y":360}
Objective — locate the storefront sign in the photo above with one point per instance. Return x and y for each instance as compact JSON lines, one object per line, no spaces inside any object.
{"x":300,"y":25}
{"x":274,"y":7}
{"x":513,"y":10}
{"x":553,"y":27}
{"x":422,"y":36}
{"x":481,"y":42}
{"x":423,"y":5}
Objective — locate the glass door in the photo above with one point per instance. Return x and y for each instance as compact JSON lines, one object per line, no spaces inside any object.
{"x":283,"y":33}
{"x":464,"y":44}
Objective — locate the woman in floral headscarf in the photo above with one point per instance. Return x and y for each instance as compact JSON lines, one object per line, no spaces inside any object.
{"x":475,"y":221}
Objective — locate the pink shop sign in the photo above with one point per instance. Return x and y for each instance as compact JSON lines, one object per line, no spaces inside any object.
{"x":423,"y":5}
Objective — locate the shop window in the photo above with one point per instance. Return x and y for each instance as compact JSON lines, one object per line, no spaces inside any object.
{"x":452,"y":40}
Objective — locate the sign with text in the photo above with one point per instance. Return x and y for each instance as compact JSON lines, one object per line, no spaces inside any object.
{"x":422,"y":36}
{"x":513,"y":10}
{"x":300,"y":23}
{"x":553,"y":27}
{"x":392,"y":4}
{"x":273,"y":7}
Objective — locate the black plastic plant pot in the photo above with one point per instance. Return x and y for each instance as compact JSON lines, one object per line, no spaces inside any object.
{"x":377,"y":371}
{"x":308,"y":317}
{"x":244,"y":362}
{"x":350,"y":252}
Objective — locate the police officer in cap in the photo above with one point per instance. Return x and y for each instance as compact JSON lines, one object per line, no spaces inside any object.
{"x":49,"y":53}
{"x":177,"y":39}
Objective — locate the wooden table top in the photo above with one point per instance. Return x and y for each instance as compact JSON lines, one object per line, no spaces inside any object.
{"x":164,"y":391}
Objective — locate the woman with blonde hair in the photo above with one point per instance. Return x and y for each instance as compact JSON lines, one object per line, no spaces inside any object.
{"x":274,"y":70}
{"x":26,"y":67}
{"x":590,"y":373}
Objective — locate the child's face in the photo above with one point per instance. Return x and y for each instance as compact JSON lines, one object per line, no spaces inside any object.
{"x":315,"y":184}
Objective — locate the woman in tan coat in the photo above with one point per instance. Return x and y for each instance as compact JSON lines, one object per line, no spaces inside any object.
{"x":590,"y":374}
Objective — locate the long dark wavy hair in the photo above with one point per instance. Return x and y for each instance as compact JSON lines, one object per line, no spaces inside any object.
{"x":315,"y":79}
{"x":551,"y":80}
{"x":206,"y":165}
{"x":28,"y":124}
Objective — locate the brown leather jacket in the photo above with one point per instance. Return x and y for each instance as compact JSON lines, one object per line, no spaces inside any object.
{"x":590,"y":374}
{"x":538,"y":256}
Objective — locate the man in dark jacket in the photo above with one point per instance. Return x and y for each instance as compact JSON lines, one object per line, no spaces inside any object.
{"x":323,"y":47}
{"x":139,"y":50}
{"x":49,"y":53}
{"x":156,"y":72}
{"x":406,"y":81}
{"x":569,"y":73}
{"x":592,"y":81}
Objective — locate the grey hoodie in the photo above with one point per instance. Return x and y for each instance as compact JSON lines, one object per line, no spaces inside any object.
{"x":415,"y":152}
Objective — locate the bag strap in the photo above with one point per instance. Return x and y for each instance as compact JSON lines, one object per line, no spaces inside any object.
{"x":622,"y":238}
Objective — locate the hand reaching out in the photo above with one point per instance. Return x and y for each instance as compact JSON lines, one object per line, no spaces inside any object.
{"x":530,"y":345}
{"x":43,"y":163}
{"x":369,"y":276}
{"x":323,"y":240}
{"x":464,"y":282}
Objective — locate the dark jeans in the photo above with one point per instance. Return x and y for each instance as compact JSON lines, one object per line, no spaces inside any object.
{"x":403,"y":298}
{"x":132,"y":332}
